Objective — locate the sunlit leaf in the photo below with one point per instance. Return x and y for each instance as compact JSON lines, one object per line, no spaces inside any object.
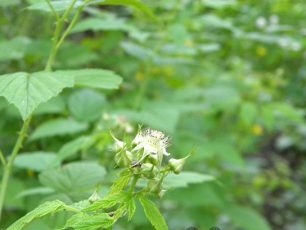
{"x":153,"y":214}
{"x":26,"y":91}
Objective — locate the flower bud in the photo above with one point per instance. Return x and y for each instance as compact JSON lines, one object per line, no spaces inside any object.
{"x":148,"y":170}
{"x":94,"y":197}
{"x":118,"y":144}
{"x":176,"y":165}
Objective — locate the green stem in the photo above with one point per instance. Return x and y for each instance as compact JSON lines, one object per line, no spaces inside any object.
{"x":2,"y":158}
{"x":57,"y":37}
{"x":133,"y":183}
{"x":57,"y":41}
{"x":53,"y":10}
{"x":8,"y":166}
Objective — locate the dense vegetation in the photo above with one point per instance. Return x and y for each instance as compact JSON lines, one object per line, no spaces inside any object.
{"x":224,"y":79}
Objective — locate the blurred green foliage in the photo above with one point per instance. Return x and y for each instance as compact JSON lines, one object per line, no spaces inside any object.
{"x":225,"y":79}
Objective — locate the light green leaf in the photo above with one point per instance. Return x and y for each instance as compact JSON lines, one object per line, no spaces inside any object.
{"x":86,"y":105}
{"x":26,"y":91}
{"x":58,"y":6}
{"x":42,"y":210}
{"x":58,"y":127}
{"x":108,"y":202}
{"x":121,"y":182}
{"x":35,"y":191}
{"x":185,"y":178}
{"x":36,"y":161}
{"x":55,"y":105}
{"x":153,"y":214}
{"x":72,"y":147}
{"x":5,"y":3}
{"x":247,"y":218}
{"x":73,"y":177}
{"x":158,"y":117}
{"x":96,"y":78}
{"x":98,"y":24}
{"x":131,"y":208}
{"x":82,"y":221}
{"x":13,"y":49}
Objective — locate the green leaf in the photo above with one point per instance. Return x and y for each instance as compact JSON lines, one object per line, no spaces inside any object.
{"x":58,"y":6}
{"x":73,"y":177}
{"x":86,"y":105}
{"x":185,"y":178}
{"x":83,"y":221}
{"x":131,"y":208}
{"x":121,"y":182}
{"x":13,"y":49}
{"x":55,"y":105}
{"x":97,"y":24}
{"x":36,"y":161}
{"x":72,"y":147}
{"x":96,"y":78}
{"x":42,"y":210}
{"x":5,"y":3}
{"x":136,"y":4}
{"x":247,"y":218}
{"x":58,"y":127}
{"x":26,"y":91}
{"x":108,"y":202}
{"x":153,"y":214}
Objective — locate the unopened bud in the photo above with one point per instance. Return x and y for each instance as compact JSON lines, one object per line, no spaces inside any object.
{"x":94,"y":197}
{"x":176,"y":165}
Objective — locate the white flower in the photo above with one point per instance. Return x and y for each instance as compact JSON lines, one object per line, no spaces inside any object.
{"x":261,"y":22}
{"x":153,"y":142}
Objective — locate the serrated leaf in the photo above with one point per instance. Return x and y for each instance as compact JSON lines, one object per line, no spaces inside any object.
{"x":108,"y":202}
{"x":83,"y":221}
{"x":153,"y":214}
{"x":121,"y":182}
{"x":185,"y":178}
{"x":74,"y":177}
{"x":131,"y":208}
{"x":58,"y":127}
{"x":36,"y":161}
{"x":42,"y":210}
{"x":86,"y":105}
{"x":26,"y":91}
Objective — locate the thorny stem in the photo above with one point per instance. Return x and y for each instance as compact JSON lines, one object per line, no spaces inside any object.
{"x":57,"y":36}
{"x":8,"y":166}
{"x":57,"y":41}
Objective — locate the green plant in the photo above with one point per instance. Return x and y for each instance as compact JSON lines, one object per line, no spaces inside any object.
{"x":142,"y":159}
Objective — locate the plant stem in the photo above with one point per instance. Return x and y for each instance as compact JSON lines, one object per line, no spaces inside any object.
{"x":8,"y":166}
{"x":57,"y":41}
{"x":2,"y":158}
{"x":133,"y":183}
{"x":57,"y":36}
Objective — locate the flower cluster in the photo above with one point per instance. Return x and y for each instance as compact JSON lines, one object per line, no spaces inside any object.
{"x":147,"y":157}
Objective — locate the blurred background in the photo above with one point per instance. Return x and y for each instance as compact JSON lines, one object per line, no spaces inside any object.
{"x":225,"y":79}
